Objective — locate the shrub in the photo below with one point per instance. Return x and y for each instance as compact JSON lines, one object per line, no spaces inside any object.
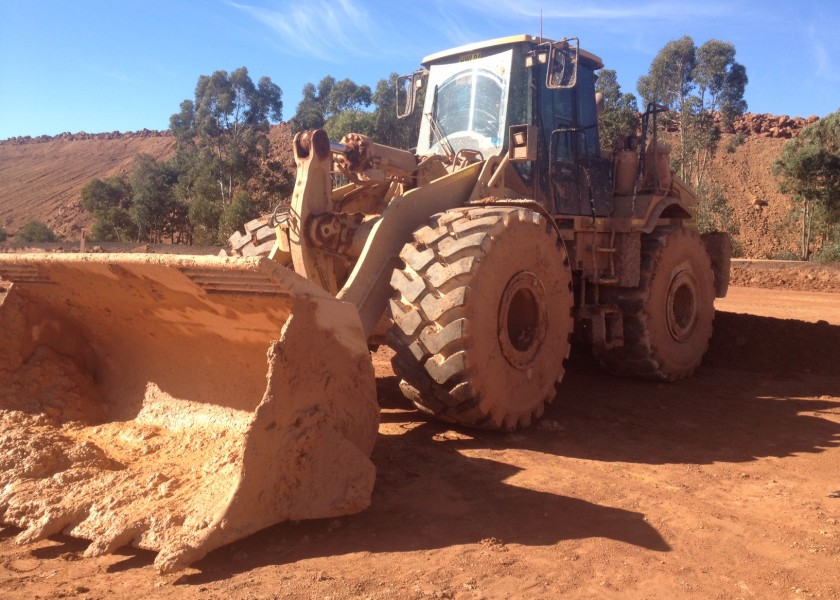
{"x":828,"y":253}
{"x":234,"y":216}
{"x":736,"y":140}
{"x":36,"y":231}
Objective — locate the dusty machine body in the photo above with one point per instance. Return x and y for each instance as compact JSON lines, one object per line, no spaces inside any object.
{"x":476,"y":255}
{"x":178,"y":404}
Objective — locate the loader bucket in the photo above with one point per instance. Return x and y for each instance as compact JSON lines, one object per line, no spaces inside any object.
{"x":177,"y":403}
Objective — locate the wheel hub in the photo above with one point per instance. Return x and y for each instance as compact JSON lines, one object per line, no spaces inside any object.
{"x":523,"y":319}
{"x":682,"y":306}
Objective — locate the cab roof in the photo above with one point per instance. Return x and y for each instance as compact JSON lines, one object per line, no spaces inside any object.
{"x":596,"y":61}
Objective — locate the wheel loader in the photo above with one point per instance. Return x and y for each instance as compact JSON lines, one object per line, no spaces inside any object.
{"x":180,"y":403}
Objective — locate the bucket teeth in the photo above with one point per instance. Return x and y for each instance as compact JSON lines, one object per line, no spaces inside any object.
{"x":51,"y":523}
{"x":113,"y":540}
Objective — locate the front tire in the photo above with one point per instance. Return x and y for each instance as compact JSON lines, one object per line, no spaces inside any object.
{"x":482,"y":316}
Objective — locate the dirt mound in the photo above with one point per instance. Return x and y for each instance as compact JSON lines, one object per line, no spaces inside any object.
{"x":786,"y":275}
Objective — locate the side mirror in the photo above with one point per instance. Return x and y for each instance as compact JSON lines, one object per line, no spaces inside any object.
{"x":408,"y":87}
{"x":561,"y":73}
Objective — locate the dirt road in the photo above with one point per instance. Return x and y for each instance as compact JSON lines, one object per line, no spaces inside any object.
{"x":719,"y":486}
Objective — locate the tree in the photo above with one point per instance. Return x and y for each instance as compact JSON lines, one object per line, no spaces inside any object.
{"x":3,"y":235}
{"x":620,"y":115}
{"x":226,"y":126}
{"x":222,"y":150}
{"x":353,"y":120}
{"x":240,"y":211}
{"x":695,"y":83}
{"x":109,"y":200}
{"x":36,"y":231}
{"x":387,"y":128}
{"x":668,"y":81}
{"x":714,"y":213}
{"x":808,"y":168}
{"x":155,"y":209}
{"x":327,"y":100}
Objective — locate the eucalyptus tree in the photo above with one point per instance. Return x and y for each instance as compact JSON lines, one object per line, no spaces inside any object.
{"x":696,"y":84}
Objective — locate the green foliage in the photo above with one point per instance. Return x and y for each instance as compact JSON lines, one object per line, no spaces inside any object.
{"x":222,"y":142}
{"x":353,"y":120}
{"x":720,"y":80}
{"x":36,"y":231}
{"x":668,"y":81}
{"x":3,"y":235}
{"x":235,"y":215}
{"x":388,"y":129}
{"x":808,"y":168}
{"x":114,"y":225}
{"x":714,"y":213}
{"x":830,"y":251}
{"x":620,"y":114}
{"x":204,"y":217}
{"x":109,"y":200}
{"x":339,"y":107}
{"x":156,"y":210}
{"x":736,"y":140}
{"x":104,"y":194}
{"x":224,"y":131}
{"x":319,"y":104}
{"x":694,"y":83}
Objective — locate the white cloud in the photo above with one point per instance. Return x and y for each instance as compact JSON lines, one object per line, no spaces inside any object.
{"x":571,"y":9}
{"x":825,"y":67}
{"x":118,"y":76}
{"x":327,"y":30}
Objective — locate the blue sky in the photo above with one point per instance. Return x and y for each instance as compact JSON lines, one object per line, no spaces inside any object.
{"x":105,"y":65}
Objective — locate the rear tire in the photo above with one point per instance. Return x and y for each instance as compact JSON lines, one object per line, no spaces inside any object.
{"x":482,"y":316}
{"x":668,"y":318}
{"x":257,"y":239}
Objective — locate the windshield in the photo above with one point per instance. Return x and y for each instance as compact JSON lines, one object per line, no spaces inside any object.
{"x":468,"y":101}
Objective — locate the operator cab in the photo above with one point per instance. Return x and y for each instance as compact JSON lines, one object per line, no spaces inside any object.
{"x":475,"y":93}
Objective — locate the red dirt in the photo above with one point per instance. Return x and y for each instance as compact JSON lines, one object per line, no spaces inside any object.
{"x":720,"y":485}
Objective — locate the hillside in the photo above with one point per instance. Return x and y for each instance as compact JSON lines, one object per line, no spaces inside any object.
{"x":41,"y":178}
{"x":759,"y":210}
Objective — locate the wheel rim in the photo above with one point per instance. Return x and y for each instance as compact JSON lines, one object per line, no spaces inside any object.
{"x":523,"y":317}
{"x":683,"y":306}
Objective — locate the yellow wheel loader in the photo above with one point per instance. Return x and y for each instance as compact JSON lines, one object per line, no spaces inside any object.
{"x":180,"y":403}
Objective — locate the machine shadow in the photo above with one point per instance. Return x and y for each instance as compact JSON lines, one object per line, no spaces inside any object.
{"x":767,"y":388}
{"x":430,"y":496}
